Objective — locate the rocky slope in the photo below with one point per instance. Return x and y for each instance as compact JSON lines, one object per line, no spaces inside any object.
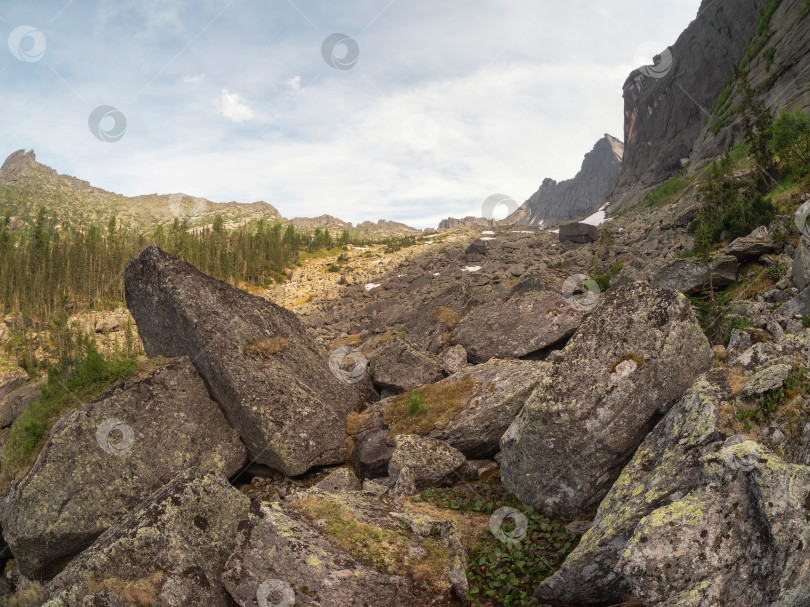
{"x":558,"y":202}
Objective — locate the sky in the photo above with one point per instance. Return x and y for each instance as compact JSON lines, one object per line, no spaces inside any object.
{"x":411,"y":111}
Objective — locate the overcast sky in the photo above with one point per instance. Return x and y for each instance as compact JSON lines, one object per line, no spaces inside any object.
{"x":442,"y":105}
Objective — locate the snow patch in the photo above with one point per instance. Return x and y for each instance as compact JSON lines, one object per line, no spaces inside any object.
{"x":487,"y":232}
{"x":471,"y":269}
{"x":487,"y":238}
{"x":597,"y":218}
{"x":372,"y":285}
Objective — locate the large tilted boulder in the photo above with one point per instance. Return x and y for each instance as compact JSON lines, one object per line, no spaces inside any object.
{"x":669,"y":466}
{"x":690,"y":276}
{"x":101,"y":460}
{"x":469,"y":410}
{"x":524,"y":323}
{"x":170,"y":551}
{"x":399,"y":366}
{"x":324,"y":550}
{"x":742,"y":537}
{"x":628,"y":363}
{"x":272,"y":381}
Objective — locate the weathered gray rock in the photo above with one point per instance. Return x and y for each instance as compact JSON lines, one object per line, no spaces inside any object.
{"x":272,"y":381}
{"x":17,"y":401}
{"x":742,"y":536}
{"x":399,"y":366}
{"x":11,"y":378}
{"x":102,"y":460}
{"x":420,"y":463}
{"x":800,"y":274}
{"x":667,"y":466}
{"x":689,"y":276}
{"x":752,"y":246}
{"x":170,"y":551}
{"x":372,"y":452}
{"x":454,"y":359}
{"x":630,"y":361}
{"x":479,"y":403}
{"x":524,"y":323}
{"x":296,"y":545}
{"x":340,"y":481}
{"x":578,"y":232}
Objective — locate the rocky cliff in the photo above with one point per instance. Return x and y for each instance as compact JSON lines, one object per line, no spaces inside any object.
{"x":557,"y":202}
{"x":683,"y":111}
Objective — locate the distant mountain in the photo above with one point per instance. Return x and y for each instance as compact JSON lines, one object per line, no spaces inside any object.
{"x":555,"y":203}
{"x":26,"y":185}
{"x":452,"y":223}
{"x":381,"y":229}
{"x":684,"y":111}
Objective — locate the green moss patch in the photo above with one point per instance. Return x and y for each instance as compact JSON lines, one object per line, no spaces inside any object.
{"x":385,"y":550}
{"x":437,"y":405}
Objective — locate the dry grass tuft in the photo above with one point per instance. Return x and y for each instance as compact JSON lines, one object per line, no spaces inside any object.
{"x":140,"y":593}
{"x":441,"y":403}
{"x":265,"y":348}
{"x":356,"y":421}
{"x":445,"y":316}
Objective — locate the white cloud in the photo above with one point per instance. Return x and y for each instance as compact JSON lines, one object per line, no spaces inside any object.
{"x":193,"y":79}
{"x":294,"y":83}
{"x":234,"y":107}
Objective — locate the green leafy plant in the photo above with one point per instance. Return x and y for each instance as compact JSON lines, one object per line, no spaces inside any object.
{"x":603,"y":279}
{"x":416,"y":403}
{"x":69,"y":386}
{"x":506,"y":573}
{"x":797,"y":383}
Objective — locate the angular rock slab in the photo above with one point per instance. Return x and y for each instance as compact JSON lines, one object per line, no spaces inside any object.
{"x":420,"y":463}
{"x":525,"y":323}
{"x":666,"y":467}
{"x":628,"y":363}
{"x":400,"y":366}
{"x":103,"y":459}
{"x":171,"y":550}
{"x":272,"y":381}
{"x":743,"y":537}
{"x":578,"y":232}
{"x":502,"y":389}
{"x":288,"y":546}
{"x":688,"y":276}
{"x":754,"y":245}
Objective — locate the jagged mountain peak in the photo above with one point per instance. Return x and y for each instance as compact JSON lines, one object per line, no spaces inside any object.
{"x":557,"y":202}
